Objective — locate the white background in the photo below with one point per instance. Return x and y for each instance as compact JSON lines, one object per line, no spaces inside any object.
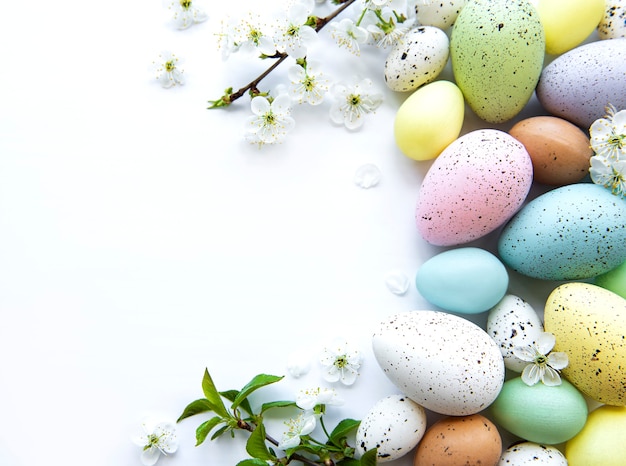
{"x":142,"y":240}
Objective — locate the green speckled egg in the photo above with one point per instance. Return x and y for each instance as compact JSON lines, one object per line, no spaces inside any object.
{"x":589,"y":323}
{"x":497,"y":49}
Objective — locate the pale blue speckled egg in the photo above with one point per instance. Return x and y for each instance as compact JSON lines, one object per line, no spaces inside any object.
{"x":572,"y":232}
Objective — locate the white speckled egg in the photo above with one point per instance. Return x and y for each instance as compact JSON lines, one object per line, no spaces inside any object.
{"x":532,"y":454}
{"x":417,"y":58}
{"x":394,"y":425}
{"x":613,"y":23}
{"x":570,"y":233}
{"x":579,"y":84}
{"x":513,"y":322}
{"x":497,"y":49}
{"x":441,"y":361}
{"x":473,"y":187}
{"x":441,"y":14}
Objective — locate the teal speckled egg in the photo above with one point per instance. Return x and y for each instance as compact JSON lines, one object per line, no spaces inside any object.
{"x":540,"y":413}
{"x":465,"y":280}
{"x":572,"y":232}
{"x":497,"y":49}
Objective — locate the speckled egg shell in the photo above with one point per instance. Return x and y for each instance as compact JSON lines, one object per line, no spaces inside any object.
{"x":513,"y":322}
{"x":475,"y":185}
{"x":441,"y":14}
{"x":589,"y":323}
{"x":417,"y":59}
{"x":613,"y":23}
{"x":465,"y":440}
{"x":579,"y":84}
{"x":441,"y":361}
{"x":497,"y":49}
{"x":394,"y":426}
{"x":572,"y":232}
{"x":532,"y":454}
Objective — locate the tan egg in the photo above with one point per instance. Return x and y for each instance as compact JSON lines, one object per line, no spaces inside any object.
{"x":559,"y":150}
{"x":468,"y":440}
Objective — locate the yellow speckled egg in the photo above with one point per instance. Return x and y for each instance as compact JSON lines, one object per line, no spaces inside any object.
{"x":429,"y":120}
{"x":567,"y":23}
{"x":602,"y":442}
{"x":589,"y":323}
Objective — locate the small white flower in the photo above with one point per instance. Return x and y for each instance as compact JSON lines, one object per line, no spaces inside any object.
{"x":168,"y":73}
{"x":352,"y":102}
{"x":544,"y":365}
{"x":307,"y":85}
{"x":347,"y":34}
{"x":341,"y":363}
{"x":157,"y":438}
{"x":310,"y":398}
{"x":294,"y":36}
{"x":609,"y":173}
{"x":304,"y":424}
{"x":271,"y":121}
{"x":388,"y":33}
{"x":186,"y":14}
{"x":608,"y":135}
{"x":251,"y":38}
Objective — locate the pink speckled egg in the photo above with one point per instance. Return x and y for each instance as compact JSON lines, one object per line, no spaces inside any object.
{"x":475,"y":185}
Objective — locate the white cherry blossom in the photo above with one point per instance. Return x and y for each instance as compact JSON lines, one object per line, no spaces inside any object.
{"x":157,"y":438}
{"x":341,"y":362}
{"x":294,"y":36}
{"x":304,"y":424}
{"x":543,"y":365}
{"x":608,"y":134}
{"x":348,"y":35}
{"x":609,"y":173}
{"x":167,"y":70}
{"x":186,"y":14}
{"x":271,"y":121}
{"x":307,"y":84}
{"x":353,"y":102}
{"x":307,"y":399}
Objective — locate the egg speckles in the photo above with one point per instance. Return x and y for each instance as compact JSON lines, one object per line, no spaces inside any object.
{"x":475,"y":185}
{"x":589,"y":323}
{"x":441,"y":361}
{"x":613,"y":23}
{"x":441,"y":14}
{"x":394,"y":426}
{"x":532,"y":454}
{"x":572,"y":232}
{"x":417,"y":59}
{"x":513,"y":322}
{"x":497,"y":49}
{"x":579,"y":84}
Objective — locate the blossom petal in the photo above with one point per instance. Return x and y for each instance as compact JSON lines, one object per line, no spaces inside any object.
{"x":260,"y":105}
{"x":545,"y":342}
{"x":550,"y":377}
{"x":558,"y":360}
{"x":525,"y":353}
{"x":150,"y":456}
{"x":531,"y":374}
{"x":349,"y":375}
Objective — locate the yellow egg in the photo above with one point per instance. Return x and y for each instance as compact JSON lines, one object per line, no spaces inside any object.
{"x":567,"y":23}
{"x":602,"y":442}
{"x":429,"y":120}
{"x":589,"y":323}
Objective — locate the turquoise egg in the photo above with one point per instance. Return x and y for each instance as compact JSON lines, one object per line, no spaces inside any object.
{"x":539,"y":413}
{"x":464,"y":280}
{"x":572,"y":232}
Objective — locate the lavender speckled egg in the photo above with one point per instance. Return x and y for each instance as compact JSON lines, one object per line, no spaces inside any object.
{"x":532,"y":454}
{"x":572,"y":232}
{"x":579,"y":84}
{"x":441,"y":14}
{"x":394,"y":426}
{"x":417,"y":59}
{"x":613,"y":23}
{"x":441,"y":361}
{"x":513,"y":322}
{"x":497,"y":49}
{"x":475,"y":185}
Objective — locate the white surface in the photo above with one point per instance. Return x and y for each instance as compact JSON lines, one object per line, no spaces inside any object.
{"x":142,"y":240}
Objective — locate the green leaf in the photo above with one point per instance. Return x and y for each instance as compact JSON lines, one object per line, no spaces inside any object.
{"x":230,"y":395}
{"x":257,"y":382}
{"x":205,"y":428}
{"x":348,"y":462}
{"x":220,"y":431}
{"x":195,"y":407}
{"x":256,"y":447}
{"x":252,"y":462}
{"x":277,"y":404}
{"x":342,"y":430}
{"x":212,"y":395}
{"x":369,"y":457}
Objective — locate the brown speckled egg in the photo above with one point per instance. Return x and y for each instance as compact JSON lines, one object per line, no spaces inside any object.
{"x":466,"y":440}
{"x":559,"y":150}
